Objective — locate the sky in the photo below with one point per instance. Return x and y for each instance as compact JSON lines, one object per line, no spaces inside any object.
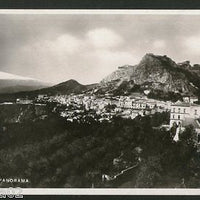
{"x":56,"y":48}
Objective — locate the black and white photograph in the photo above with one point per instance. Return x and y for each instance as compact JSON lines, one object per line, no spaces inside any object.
{"x":92,"y":99}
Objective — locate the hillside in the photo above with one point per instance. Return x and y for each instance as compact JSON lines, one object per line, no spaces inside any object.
{"x":156,"y":73}
{"x":64,"y":88}
{"x":18,"y":113}
{"x":54,"y":153}
{"x":67,"y":87}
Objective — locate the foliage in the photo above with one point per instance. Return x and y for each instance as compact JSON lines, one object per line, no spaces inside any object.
{"x":161,"y":95}
{"x":52,"y":152}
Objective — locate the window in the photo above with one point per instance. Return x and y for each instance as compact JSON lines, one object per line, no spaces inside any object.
{"x":178,"y":116}
{"x":173,"y":109}
{"x":173,"y":116}
{"x":195,"y":112}
{"x":179,"y":110}
{"x":184,"y":110}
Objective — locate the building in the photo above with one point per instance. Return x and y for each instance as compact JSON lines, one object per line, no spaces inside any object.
{"x":190,"y":99}
{"x":41,"y":96}
{"x":183,"y":114}
{"x":181,"y":111}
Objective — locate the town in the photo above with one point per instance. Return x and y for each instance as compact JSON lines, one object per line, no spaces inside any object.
{"x":81,"y":107}
{"x":105,"y":106}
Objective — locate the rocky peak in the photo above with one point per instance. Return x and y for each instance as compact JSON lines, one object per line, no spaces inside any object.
{"x":150,"y":59}
{"x":123,"y":73}
{"x":196,"y":67}
{"x":185,"y":65}
{"x":154,"y":72}
{"x":124,"y":67}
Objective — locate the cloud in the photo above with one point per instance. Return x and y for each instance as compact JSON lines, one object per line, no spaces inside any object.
{"x":104,"y":38}
{"x":63,"y":44}
{"x":159,"y":44}
{"x":89,"y":47}
{"x":67,"y":43}
{"x":47,"y":59}
{"x":192,"y":44}
{"x":105,"y":61}
{"x":66,"y":56}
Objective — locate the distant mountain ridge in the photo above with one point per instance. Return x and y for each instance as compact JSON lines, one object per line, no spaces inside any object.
{"x":64,"y":88}
{"x":11,"y":83}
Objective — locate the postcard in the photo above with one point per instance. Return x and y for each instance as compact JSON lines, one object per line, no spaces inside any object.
{"x":100,"y":101}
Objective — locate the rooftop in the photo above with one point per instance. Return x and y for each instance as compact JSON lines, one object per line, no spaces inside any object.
{"x":184,"y":104}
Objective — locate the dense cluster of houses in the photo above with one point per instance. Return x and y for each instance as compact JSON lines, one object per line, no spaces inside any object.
{"x":82,"y":106}
{"x":106,"y":106}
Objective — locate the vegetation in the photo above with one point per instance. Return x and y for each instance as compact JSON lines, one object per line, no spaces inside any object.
{"x":126,"y":88}
{"x":55,"y":153}
{"x":166,"y":96}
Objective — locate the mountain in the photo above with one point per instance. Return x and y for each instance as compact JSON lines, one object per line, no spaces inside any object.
{"x":162,"y":77}
{"x":67,"y":87}
{"x":64,"y":88}
{"x":10,"y":83}
{"x":155,"y":73}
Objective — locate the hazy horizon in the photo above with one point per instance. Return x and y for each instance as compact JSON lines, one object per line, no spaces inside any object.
{"x":56,"y":48}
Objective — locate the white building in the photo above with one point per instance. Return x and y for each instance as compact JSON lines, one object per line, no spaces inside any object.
{"x":183,"y":114}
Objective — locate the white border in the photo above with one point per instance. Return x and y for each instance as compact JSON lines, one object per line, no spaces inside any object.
{"x":98,"y":191}
{"x":120,"y":191}
{"x":102,"y":11}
